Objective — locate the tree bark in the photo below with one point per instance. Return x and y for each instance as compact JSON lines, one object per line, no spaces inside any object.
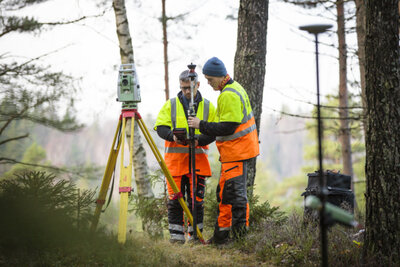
{"x":126,"y":51}
{"x":344,"y":131}
{"x":382,"y":140}
{"x":249,"y":69}
{"x":165,"y":43}
{"x":360,"y":28}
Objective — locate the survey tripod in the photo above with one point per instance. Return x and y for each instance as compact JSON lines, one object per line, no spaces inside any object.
{"x":129,"y":95}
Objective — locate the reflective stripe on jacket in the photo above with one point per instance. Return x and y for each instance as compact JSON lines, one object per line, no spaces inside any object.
{"x":177,"y":156}
{"x":243,"y":143}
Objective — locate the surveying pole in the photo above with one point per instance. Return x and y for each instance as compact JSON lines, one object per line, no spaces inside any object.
{"x":129,"y":95}
{"x":317,"y":29}
{"x":192,"y":147}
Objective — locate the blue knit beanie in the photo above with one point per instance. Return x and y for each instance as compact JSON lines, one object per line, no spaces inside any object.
{"x":214,"y":67}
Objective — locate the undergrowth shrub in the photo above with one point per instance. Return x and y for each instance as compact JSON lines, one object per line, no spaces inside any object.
{"x":259,"y":212}
{"x":296,"y":243}
{"x":152,"y":211}
{"x":154,"y":214}
{"x":38,"y":210}
{"x":45,"y":222}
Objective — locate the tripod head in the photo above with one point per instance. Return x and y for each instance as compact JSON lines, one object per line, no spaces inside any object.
{"x":128,"y":86}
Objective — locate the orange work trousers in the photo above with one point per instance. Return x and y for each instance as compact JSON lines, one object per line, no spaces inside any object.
{"x":175,"y":211}
{"x":233,"y":207}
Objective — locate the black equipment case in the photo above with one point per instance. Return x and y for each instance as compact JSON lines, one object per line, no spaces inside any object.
{"x":338,"y":190}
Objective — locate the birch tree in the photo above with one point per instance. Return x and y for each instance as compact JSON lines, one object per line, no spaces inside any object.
{"x":126,"y":52}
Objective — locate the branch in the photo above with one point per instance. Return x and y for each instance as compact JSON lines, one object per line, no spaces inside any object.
{"x":13,"y":139}
{"x":73,"y":21}
{"x":6,"y":70}
{"x":13,"y":161}
{"x":65,"y":125}
{"x":12,"y":117}
{"x":17,"y":5}
{"x":27,"y":24}
{"x":51,"y":123}
{"x":310,"y":103}
{"x":313,"y":117}
{"x":307,"y":127}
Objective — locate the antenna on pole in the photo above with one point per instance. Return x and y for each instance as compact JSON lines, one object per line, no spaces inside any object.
{"x":192,"y":146}
{"x":317,"y":29}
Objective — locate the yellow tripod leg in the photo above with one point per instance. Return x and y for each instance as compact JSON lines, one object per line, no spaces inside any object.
{"x":125,"y":184}
{"x":112,"y":159}
{"x":167,"y":174}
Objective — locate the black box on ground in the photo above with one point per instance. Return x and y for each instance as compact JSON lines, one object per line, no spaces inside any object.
{"x":338,"y":191}
{"x":333,"y":179}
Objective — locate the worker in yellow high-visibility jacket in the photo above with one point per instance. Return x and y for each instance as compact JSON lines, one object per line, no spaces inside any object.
{"x":174,"y":114}
{"x":237,"y":142}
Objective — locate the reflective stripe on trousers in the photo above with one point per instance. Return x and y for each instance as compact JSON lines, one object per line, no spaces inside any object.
{"x":176,"y":227}
{"x":175,"y":211}
{"x":199,"y":225}
{"x":180,"y":237}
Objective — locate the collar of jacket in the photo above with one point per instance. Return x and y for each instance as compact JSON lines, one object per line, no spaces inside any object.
{"x":224,"y":82}
{"x":185,"y":104}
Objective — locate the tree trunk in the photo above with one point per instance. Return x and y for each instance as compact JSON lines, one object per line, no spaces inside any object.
{"x":383,"y":125}
{"x":140,"y":167}
{"x":165,"y":43}
{"x":249,"y":69}
{"x":360,"y":26}
{"x":344,"y":131}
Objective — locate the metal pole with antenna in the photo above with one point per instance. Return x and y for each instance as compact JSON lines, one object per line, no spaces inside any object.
{"x":317,"y":29}
{"x":192,"y":146}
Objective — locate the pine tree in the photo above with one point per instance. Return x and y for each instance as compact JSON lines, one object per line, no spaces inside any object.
{"x":382,"y":134}
{"x":30,"y":92}
{"x":250,"y":61}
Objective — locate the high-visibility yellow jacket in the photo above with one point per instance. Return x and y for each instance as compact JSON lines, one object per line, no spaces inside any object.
{"x":176,"y":156}
{"x":234,"y":106}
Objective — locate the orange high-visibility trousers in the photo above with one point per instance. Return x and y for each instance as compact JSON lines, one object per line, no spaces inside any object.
{"x":233,"y":208}
{"x":175,"y":212}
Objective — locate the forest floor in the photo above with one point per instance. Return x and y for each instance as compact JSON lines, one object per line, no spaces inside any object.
{"x":197,"y":254}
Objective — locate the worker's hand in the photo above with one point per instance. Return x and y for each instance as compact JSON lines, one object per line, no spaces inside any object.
{"x":194,"y":122}
{"x":179,"y":141}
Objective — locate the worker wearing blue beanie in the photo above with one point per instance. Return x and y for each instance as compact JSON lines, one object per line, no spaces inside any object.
{"x":236,"y":138}
{"x":214,"y":67}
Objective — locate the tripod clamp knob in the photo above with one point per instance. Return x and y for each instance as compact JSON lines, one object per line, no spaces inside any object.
{"x":127,"y":189}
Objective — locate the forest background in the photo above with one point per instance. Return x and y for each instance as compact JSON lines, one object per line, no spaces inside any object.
{"x":87,"y":50}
